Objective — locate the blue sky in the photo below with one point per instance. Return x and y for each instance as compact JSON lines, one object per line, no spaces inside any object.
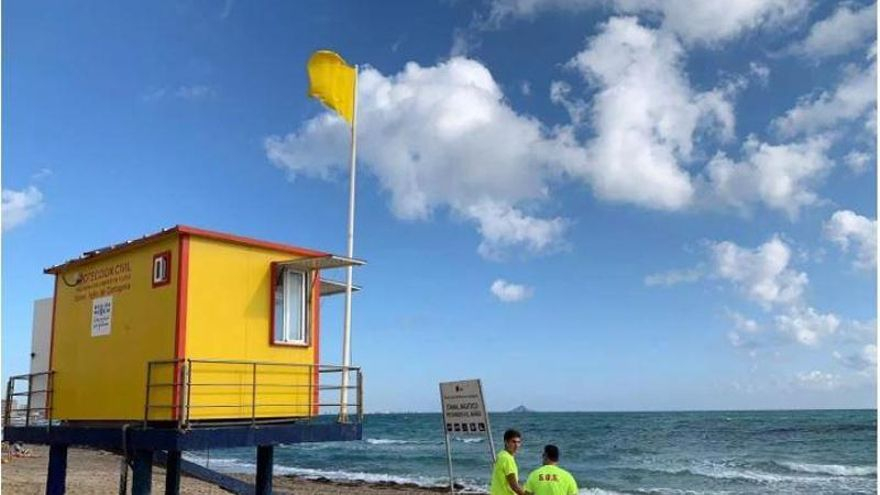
{"x":620,"y":205}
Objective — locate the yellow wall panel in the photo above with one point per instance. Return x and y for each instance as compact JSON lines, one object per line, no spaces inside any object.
{"x":103,"y":377}
{"x":229,"y":318}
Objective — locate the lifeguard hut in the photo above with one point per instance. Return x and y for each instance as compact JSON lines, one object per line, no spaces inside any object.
{"x":186,"y":339}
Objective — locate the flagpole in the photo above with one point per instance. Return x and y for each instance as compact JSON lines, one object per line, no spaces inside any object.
{"x":346,"y":334}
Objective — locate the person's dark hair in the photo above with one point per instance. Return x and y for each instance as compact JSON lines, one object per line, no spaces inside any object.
{"x":511,"y":434}
{"x":552,"y":453}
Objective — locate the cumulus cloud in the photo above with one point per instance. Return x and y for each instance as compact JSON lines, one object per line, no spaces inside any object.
{"x":508,"y":292}
{"x":807,"y":326}
{"x":782,"y":177}
{"x":20,"y":206}
{"x":853,"y":99}
{"x":695,"y":21}
{"x":762,"y":274}
{"x":857,"y":161}
{"x":848,"y":28}
{"x":645,"y":115}
{"x":443,"y":137}
{"x":848,"y":229}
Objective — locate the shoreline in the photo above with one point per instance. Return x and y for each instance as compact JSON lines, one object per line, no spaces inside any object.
{"x":96,"y":471}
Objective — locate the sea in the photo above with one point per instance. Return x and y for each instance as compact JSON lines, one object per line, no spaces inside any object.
{"x":736,"y":452}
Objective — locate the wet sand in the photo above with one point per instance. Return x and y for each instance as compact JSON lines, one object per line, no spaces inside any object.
{"x":92,"y":471}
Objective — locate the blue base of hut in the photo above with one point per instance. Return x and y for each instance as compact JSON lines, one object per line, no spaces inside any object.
{"x":141,"y":446}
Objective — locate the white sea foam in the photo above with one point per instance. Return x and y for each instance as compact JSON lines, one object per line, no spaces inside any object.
{"x":598,"y":491}
{"x":233,"y":466}
{"x":389,"y":441}
{"x":470,"y":439}
{"x":832,"y":469}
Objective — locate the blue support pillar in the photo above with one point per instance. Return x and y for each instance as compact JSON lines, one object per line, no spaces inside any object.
{"x":172,"y":472}
{"x":142,"y":473}
{"x":265,"y":454}
{"x":57,"y":475}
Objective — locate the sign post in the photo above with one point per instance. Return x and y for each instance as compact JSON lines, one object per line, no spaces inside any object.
{"x":464,"y":415}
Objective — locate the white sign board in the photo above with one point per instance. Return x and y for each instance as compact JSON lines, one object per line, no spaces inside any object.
{"x":464,"y":413}
{"x":102,"y":313}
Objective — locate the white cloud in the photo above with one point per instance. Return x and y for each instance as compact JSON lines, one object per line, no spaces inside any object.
{"x":760,"y":71}
{"x":443,"y":137}
{"x":762,"y":274}
{"x":817,"y":380}
{"x":782,"y":177}
{"x":508,"y":292}
{"x":20,"y":206}
{"x":504,"y":227}
{"x":863,"y":360}
{"x":806,"y":326}
{"x":43,"y":173}
{"x":525,"y":88}
{"x":645,"y":115}
{"x":846,"y":29}
{"x":853,"y":99}
{"x":674,"y":277}
{"x":745,"y":331}
{"x":696,"y":21}
{"x":846,"y":228}
{"x":744,"y":324}
{"x":857,"y":161}
{"x":699,"y":21}
{"x":560,"y":94}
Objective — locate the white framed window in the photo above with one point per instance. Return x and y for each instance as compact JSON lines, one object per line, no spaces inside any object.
{"x":161,"y":268}
{"x":290,"y":325}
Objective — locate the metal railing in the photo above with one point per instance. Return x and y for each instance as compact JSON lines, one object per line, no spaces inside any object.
{"x":37,"y":410}
{"x":208,"y":392}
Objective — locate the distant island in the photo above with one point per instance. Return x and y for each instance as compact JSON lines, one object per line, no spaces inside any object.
{"x":521,"y":409}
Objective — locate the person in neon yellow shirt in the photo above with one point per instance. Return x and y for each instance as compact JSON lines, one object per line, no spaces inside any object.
{"x":551,"y":479}
{"x":505,"y":474}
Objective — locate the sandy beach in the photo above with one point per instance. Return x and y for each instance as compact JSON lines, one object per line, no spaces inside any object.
{"x":91,"y":471}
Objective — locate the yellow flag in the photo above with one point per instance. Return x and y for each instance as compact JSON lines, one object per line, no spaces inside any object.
{"x":332,"y":81}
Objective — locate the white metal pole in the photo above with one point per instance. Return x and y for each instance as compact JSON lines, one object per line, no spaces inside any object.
{"x":346,"y":334}
{"x":488,"y":424}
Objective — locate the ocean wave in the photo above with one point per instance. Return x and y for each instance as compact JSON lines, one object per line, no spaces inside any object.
{"x":469,"y":439}
{"x":598,"y":491}
{"x":391,"y":441}
{"x":232,"y":466}
{"x":832,"y":469}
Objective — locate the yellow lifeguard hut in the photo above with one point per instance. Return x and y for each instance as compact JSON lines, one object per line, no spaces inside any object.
{"x":189,"y":326}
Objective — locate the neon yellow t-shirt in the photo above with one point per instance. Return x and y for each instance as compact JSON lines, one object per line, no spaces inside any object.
{"x":551,"y":480}
{"x":505,"y":464}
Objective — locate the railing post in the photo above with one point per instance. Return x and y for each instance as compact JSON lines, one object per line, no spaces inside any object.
{"x":147,"y":394}
{"x":27,"y":407}
{"x":181,"y":394}
{"x":254,"y":394}
{"x":7,"y":411}
{"x":312,"y":376}
{"x":50,"y":381}
{"x":360,"y":396}
{"x":188,"y":390}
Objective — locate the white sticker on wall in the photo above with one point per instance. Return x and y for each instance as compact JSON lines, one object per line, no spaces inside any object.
{"x":102,"y":312}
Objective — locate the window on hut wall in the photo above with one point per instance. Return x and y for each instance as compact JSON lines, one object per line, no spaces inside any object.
{"x":290,"y":305}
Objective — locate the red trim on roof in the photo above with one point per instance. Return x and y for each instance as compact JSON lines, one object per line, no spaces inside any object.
{"x":184,"y":229}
